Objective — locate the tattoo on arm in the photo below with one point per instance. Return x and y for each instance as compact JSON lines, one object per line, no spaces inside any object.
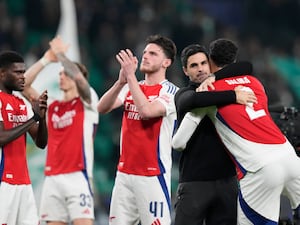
{"x":73,"y":71}
{"x":70,"y":68}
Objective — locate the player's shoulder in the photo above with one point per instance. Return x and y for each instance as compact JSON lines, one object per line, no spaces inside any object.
{"x":170,"y":87}
{"x":94,"y":94}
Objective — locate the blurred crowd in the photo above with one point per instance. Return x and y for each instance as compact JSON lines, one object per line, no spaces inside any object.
{"x":267,"y":32}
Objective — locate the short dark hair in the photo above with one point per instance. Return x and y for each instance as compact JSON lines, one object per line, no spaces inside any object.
{"x":165,"y":43}
{"x":223,"y":52}
{"x":191,"y":50}
{"x":82,"y":69}
{"x":9,"y":57}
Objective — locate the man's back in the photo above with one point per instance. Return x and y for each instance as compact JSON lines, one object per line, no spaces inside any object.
{"x":249,"y":132}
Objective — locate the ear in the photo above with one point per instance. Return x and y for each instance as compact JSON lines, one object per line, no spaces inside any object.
{"x":185,"y":71}
{"x":167,"y":63}
{"x":2,"y":72}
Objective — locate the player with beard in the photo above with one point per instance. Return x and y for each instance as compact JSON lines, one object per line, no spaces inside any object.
{"x":142,"y":186}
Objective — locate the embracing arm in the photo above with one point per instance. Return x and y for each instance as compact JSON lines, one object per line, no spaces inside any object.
{"x":186,"y":129}
{"x":191,"y":99}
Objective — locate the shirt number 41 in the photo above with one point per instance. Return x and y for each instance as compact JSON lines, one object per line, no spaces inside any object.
{"x":156,"y":208}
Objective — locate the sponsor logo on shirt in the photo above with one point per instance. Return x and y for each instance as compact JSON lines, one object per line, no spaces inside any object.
{"x":63,"y":121}
{"x":133,"y":113}
{"x":16,"y":118}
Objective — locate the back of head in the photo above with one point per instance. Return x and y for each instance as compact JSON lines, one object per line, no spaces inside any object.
{"x":191,"y":50}
{"x":9,"y":57}
{"x":165,"y":43}
{"x":223,"y":52}
{"x":82,"y":69}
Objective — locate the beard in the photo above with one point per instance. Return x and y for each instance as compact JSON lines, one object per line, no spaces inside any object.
{"x":148,"y":69}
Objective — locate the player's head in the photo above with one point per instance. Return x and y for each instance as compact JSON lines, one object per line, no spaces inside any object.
{"x":223,"y":52}
{"x":192,"y":50}
{"x":158,"y":55}
{"x":7,"y":58}
{"x":165,"y":43}
{"x":195,"y":64}
{"x":12,"y":69}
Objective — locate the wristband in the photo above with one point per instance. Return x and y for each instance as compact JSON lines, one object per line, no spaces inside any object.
{"x":36,"y":117}
{"x":44,"y":61}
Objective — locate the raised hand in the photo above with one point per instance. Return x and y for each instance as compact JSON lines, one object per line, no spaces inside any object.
{"x":39,"y":105}
{"x":50,"y":56}
{"x":58,"y":46}
{"x":128,"y":63}
{"x":207,"y":84}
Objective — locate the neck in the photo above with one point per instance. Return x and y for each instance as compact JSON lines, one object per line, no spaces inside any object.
{"x":154,"y":78}
{"x":214,"y":68}
{"x":69,"y":95}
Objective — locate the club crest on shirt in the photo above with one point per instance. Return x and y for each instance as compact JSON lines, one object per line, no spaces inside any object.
{"x":22,"y":107}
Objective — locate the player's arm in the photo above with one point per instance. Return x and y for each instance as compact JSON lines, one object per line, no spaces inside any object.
{"x":145,"y":108}
{"x":39,"y":131}
{"x":59,"y":48}
{"x":191,"y":99}
{"x":110,"y":100}
{"x":187,"y":127}
{"x":32,"y":73}
{"x":234,"y":69}
{"x":8,"y":135}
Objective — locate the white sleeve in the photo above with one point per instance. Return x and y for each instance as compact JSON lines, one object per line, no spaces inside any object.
{"x":186,"y":129}
{"x":123,"y":93}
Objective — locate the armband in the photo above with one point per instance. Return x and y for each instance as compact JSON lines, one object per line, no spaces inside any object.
{"x":44,"y":61}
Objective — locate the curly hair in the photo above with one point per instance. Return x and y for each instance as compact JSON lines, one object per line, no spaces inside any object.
{"x":7,"y":58}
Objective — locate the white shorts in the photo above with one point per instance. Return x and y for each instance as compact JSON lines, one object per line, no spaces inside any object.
{"x":144,"y":199}
{"x":17,"y":205}
{"x":259,"y":196}
{"x":66,"y":197}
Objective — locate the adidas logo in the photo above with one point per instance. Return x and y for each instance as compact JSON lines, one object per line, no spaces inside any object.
{"x":86,"y":211}
{"x":8,"y":107}
{"x":156,"y":222}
